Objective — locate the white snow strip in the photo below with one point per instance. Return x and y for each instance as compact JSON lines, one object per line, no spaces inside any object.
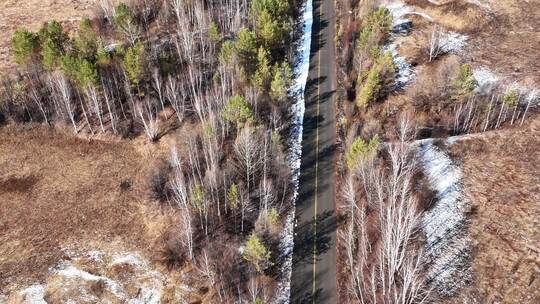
{"x":447,"y":244}
{"x":301,"y":72}
{"x":34,"y":294}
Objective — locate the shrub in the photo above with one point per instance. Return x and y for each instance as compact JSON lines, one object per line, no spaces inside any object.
{"x":157,"y":181}
{"x":24,"y":45}
{"x":238,"y":112}
{"x":361,"y":148}
{"x":256,"y":253}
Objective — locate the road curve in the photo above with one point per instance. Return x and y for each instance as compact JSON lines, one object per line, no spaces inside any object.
{"x":314,"y":256}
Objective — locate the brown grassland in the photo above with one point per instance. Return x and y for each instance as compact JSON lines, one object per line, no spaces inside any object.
{"x":58,"y":191}
{"x":501,"y":176}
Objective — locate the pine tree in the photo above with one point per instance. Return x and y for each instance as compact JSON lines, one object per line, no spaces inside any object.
{"x":51,"y":54}
{"x":246,"y":48}
{"x":256,"y":253}
{"x":24,"y":44}
{"x":360,"y":148}
{"x":133,"y":63}
{"x":238,"y":112}
{"x":263,"y":74}
{"x":86,"y":42}
{"x":282,"y":81}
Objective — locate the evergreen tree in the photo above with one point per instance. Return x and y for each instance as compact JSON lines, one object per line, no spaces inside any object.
{"x":86,"y":42}
{"x":51,"y":54}
{"x":246,"y":48}
{"x":360,"y":148}
{"x":256,"y":253}
{"x":282,"y":81}
{"x":24,"y":44}
{"x":213,"y":32}
{"x":263,"y":74}
{"x":133,"y":63}
{"x":238,"y":112}
{"x":465,"y":81}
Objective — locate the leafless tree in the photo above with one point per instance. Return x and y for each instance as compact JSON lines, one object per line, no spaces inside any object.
{"x":175,"y":95}
{"x":95,"y":104}
{"x":389,"y":271}
{"x":108,"y":9}
{"x":63,"y":90}
{"x":435,"y":43}
{"x":147,"y":111}
{"x":181,"y":198}
{"x":247,"y":149}
{"x":35,"y":95}
{"x":157,"y":83}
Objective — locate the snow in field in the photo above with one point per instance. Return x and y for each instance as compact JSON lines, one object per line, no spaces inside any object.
{"x":486,"y":80}
{"x":399,"y":10}
{"x":452,"y":42}
{"x":404,"y":71}
{"x":447,"y":244}
{"x":34,"y":294}
{"x":72,"y":282}
{"x":295,"y":147}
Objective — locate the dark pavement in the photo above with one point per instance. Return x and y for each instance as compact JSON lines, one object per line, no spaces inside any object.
{"x":314,"y":257}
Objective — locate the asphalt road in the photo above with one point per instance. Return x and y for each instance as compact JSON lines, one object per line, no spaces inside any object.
{"x":314,"y":256}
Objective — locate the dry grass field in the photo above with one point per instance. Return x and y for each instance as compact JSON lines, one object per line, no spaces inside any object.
{"x":32,"y":14}
{"x":60,"y":193}
{"x":55,"y":190}
{"x":502,"y":178}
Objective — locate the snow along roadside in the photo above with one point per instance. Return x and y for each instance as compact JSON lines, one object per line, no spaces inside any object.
{"x":301,"y":71}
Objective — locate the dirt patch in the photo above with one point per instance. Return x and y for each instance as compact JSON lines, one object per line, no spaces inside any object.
{"x":32,"y":14}
{"x":18,"y":184}
{"x":501,"y":175}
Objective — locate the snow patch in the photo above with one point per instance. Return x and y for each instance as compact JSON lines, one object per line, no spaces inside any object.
{"x":73,"y":272}
{"x":404,"y":71}
{"x":147,"y":296}
{"x":399,"y":10}
{"x":128,"y":259}
{"x":447,"y":248}
{"x":34,"y":294}
{"x":453,"y":42}
{"x":297,"y":110}
{"x":486,"y":80}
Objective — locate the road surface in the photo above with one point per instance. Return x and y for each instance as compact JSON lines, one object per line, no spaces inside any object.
{"x":314,"y":257}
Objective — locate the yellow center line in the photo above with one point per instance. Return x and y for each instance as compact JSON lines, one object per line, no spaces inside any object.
{"x":317,"y":159}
